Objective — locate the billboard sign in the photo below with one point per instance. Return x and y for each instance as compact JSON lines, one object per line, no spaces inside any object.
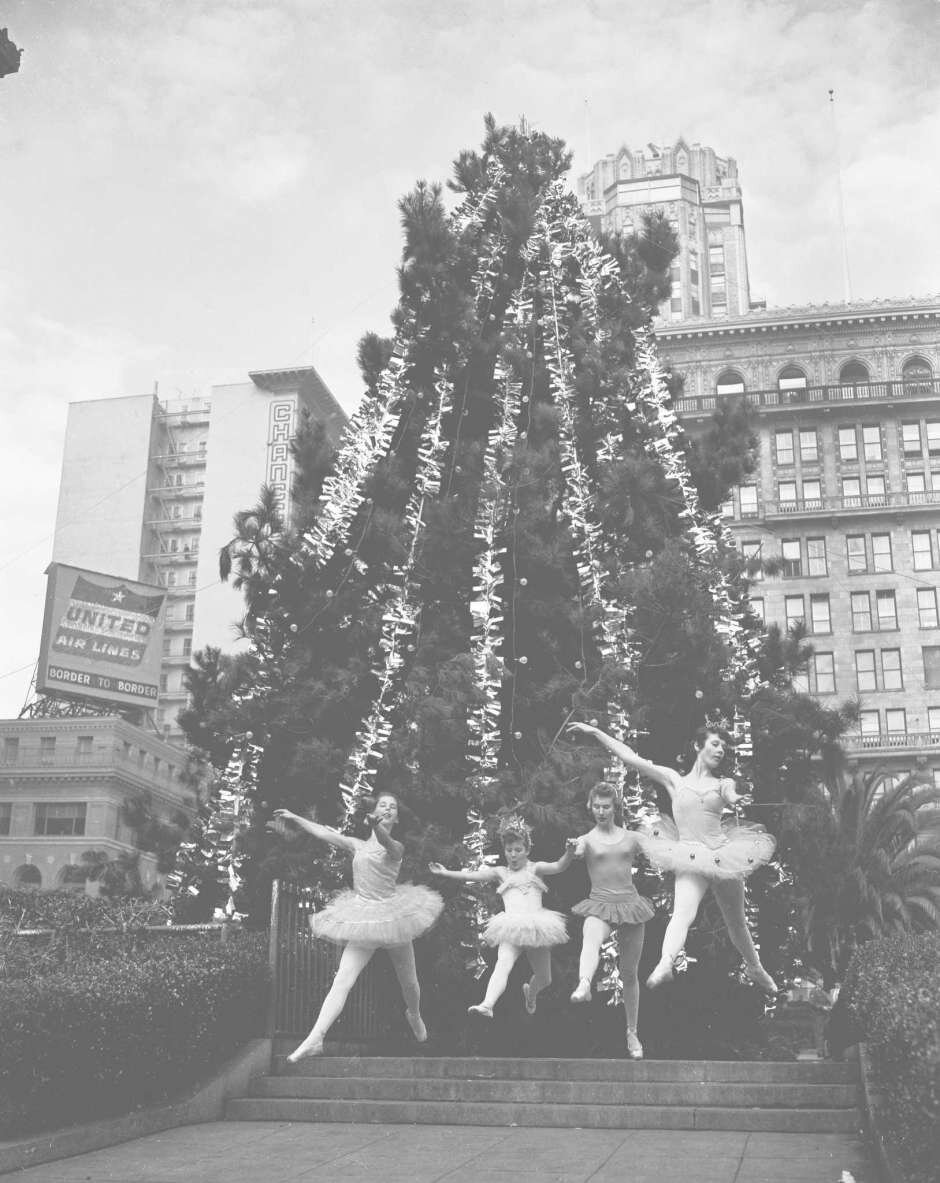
{"x":102,"y":637}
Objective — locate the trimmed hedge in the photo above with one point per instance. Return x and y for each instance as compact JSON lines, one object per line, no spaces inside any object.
{"x":893,"y":991}
{"x":103,"y":1036}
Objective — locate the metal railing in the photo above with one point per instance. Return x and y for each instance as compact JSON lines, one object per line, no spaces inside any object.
{"x":892,"y":740}
{"x":840,"y":504}
{"x":302,"y":970}
{"x":836,"y":393}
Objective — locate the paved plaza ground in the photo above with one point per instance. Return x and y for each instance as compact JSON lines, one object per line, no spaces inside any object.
{"x":255,"y":1152}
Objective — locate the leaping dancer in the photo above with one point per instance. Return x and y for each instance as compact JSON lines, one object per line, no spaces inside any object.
{"x":614,"y":904}
{"x":378,"y":913}
{"x":525,"y":926}
{"x":703,"y":851}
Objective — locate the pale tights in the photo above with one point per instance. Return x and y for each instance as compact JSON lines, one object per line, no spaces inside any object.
{"x":690,"y":890}
{"x":353,"y":961}
{"x":539,"y":959}
{"x":630,"y":946}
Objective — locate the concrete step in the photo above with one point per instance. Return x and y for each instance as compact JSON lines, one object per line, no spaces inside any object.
{"x":499,"y":1068}
{"x":558,"y":1092}
{"x":581,"y":1116}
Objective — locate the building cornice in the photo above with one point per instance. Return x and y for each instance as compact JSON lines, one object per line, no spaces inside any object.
{"x":292,"y":379}
{"x":801,"y":319}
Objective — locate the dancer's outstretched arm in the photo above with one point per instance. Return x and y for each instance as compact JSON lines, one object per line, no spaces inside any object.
{"x":484,"y":875}
{"x":731,"y":796}
{"x":560,"y":864}
{"x":384,"y":838}
{"x":663,"y":776}
{"x":324,"y":833}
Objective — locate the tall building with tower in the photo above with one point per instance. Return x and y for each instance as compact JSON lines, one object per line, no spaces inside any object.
{"x":700,"y":193}
{"x":149,"y":489}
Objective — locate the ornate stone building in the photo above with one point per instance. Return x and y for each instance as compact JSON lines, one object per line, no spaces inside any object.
{"x":700,"y":193}
{"x":846,"y":496}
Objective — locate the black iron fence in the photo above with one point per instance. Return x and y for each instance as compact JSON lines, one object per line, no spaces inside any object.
{"x":302,"y":969}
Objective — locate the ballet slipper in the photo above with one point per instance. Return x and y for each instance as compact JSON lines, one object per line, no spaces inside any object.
{"x":481,"y":1009}
{"x":582,"y":992}
{"x":530,"y":998}
{"x":662,"y":973}
{"x":311,"y":1046}
{"x":416,"y":1023}
{"x":760,"y":977}
{"x":634,"y":1047}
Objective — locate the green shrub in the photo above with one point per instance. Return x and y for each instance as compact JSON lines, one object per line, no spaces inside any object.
{"x":103,"y":1035}
{"x":893,"y":988}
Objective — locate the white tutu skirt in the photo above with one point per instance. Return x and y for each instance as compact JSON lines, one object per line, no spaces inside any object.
{"x":745,"y":847}
{"x":351,"y":918}
{"x":528,"y":930}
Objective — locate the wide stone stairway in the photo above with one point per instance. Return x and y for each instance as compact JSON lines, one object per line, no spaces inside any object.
{"x":793,"y":1097}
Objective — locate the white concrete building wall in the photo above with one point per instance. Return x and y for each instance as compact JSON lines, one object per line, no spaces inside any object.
{"x":103,"y":494}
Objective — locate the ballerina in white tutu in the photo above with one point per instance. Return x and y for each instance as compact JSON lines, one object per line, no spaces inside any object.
{"x":702,"y":850}
{"x":378,"y":913}
{"x":614,"y":905}
{"x":525,"y":926}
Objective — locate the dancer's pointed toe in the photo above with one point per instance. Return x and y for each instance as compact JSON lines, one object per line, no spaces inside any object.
{"x":662,"y":973}
{"x":311,"y":1046}
{"x":485,"y":1012}
{"x":634,"y":1047}
{"x":416,"y":1023}
{"x":531,"y":998}
{"x":760,"y":977}
{"x":582,"y":992}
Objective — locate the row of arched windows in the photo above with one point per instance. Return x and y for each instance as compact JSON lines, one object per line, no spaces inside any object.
{"x":914,"y":371}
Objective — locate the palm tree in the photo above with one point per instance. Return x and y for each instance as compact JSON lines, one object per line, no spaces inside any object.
{"x":881,"y":872}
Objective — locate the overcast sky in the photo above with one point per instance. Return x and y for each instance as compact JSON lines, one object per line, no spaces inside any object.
{"x":191,"y":189}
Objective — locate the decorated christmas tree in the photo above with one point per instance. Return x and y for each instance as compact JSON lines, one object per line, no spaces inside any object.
{"x":513,"y":534}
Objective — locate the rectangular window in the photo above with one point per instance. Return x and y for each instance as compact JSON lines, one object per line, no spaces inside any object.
{"x":861,"y":612}
{"x":190,"y":613}
{"x":865,"y":669}
{"x":875,"y":490}
{"x":916,"y":486}
{"x":931,"y":655}
{"x":851,"y":491}
{"x":748,"y":494}
{"x":84,"y":747}
{"x":786,"y":493}
{"x":869,"y":722}
{"x":819,"y":613}
{"x":757,"y":607}
{"x":751,"y":553}
{"x":163,"y":683}
{"x":891,"y":676}
{"x":887,"y":610}
{"x":871,"y":442}
{"x":6,"y":814}
{"x":11,"y":749}
{"x":46,"y":749}
{"x":60,"y":819}
{"x":816,"y":560}
{"x":825,"y":670}
{"x":794,"y":610}
{"x":192,"y":579}
{"x":920,"y":546}
{"x":809,"y":445}
{"x":881,"y":552}
{"x":848,"y":448}
{"x":727,"y":508}
{"x":910,"y":439}
{"x":167,"y":646}
{"x":927,"y":607}
{"x":812,"y":495}
{"x":187,"y":646}
{"x":800,"y":681}
{"x":896,"y":721}
{"x":855,"y":555}
{"x":933,"y":720}
{"x":933,"y":437}
{"x":783,"y":443}
{"x":792,"y":560}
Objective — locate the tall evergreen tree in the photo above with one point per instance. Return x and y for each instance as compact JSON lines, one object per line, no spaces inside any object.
{"x":515,"y":533}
